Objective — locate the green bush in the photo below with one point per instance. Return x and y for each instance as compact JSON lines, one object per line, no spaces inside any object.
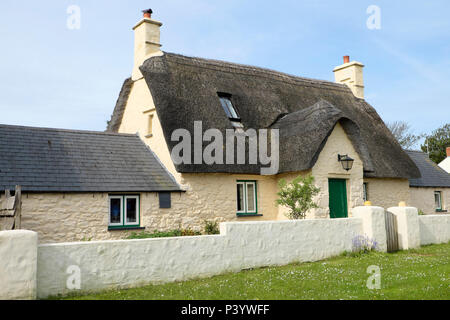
{"x":297,"y":196}
{"x":163,"y":234}
{"x":211,"y":227}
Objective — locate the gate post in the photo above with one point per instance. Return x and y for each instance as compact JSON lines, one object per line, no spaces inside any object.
{"x":408,"y":227}
{"x":18,"y":264}
{"x":373,"y":224}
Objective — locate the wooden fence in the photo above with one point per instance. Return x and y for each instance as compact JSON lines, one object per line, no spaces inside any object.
{"x":391,"y":232}
{"x":11,"y":210}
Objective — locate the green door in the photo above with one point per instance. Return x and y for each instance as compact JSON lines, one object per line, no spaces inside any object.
{"x":338,"y":198}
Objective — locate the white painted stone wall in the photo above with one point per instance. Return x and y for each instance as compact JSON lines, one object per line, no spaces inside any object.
{"x":434,"y":229}
{"x":408,"y":228}
{"x":18,"y":262}
{"x":128,"y":263}
{"x":374,"y":224}
{"x":27,"y":269}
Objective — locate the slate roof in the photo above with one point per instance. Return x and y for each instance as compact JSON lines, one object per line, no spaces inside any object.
{"x":432,"y":174}
{"x":185,"y":89}
{"x":57,"y":160}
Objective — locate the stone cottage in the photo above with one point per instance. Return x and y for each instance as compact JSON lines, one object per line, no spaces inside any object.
{"x":319,"y":123}
{"x":431,"y":192}
{"x":82,"y":185}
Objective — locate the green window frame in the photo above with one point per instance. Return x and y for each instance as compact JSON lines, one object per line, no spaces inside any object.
{"x":247,"y":198}
{"x":438,"y":200}
{"x":125,"y":203}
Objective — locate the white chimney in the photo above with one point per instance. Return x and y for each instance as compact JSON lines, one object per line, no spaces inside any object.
{"x":351,"y":74}
{"x":146,"y":41}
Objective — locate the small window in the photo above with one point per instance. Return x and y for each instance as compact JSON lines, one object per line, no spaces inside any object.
{"x":438,"y":200}
{"x":365,"y":192}
{"x":124,"y":211}
{"x":246,"y":198}
{"x":227,"y":105}
{"x":150,"y":125}
{"x":165,"y":200}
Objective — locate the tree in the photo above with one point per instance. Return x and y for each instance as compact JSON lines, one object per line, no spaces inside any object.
{"x":437,"y":142}
{"x":297,"y":196}
{"x":402,"y":132}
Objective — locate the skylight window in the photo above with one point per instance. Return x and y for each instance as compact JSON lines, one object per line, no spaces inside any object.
{"x":227,"y":105}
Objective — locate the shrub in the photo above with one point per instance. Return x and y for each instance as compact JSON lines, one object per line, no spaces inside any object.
{"x":163,"y":234}
{"x":297,"y":196}
{"x":211,"y":227}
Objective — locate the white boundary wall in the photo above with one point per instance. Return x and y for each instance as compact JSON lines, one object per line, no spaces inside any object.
{"x":241,"y":245}
{"x":27,"y":269}
{"x":18,"y":261}
{"x":434,"y":229}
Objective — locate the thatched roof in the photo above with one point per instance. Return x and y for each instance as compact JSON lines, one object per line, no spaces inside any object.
{"x":116,"y":118}
{"x":185,"y":90}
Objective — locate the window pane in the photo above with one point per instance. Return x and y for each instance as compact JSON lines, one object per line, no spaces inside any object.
{"x":225,"y":107}
{"x":115,"y":210}
{"x":165,"y":200}
{"x":240,"y":197}
{"x":365,"y":192}
{"x":231,"y":108}
{"x":131,"y":210}
{"x":251,"y":197}
{"x":437,"y":200}
{"x":228,"y":107}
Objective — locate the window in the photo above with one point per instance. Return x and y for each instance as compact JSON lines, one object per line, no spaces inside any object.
{"x":165,"y":200}
{"x":150,"y":126}
{"x":227,"y":105}
{"x":124,"y":211}
{"x":438,"y":200}
{"x":365,"y":192}
{"x":247,"y":203}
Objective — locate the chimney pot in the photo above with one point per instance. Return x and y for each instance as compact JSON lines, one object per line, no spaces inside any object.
{"x":147,"y":13}
{"x":448,"y":151}
{"x":346,"y":59}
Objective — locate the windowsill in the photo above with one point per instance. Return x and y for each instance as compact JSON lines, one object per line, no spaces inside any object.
{"x":125,"y":228}
{"x":249,"y":215}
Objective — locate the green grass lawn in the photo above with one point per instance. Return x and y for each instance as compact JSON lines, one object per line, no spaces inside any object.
{"x":414,"y":274}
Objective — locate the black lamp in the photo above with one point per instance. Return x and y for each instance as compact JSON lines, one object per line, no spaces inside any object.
{"x":346,"y":161}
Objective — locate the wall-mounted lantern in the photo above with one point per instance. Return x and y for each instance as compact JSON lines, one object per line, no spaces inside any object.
{"x":346,"y":162}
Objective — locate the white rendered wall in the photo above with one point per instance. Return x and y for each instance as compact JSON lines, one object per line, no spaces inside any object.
{"x":18,"y":261}
{"x":434,"y":229}
{"x":128,"y":263}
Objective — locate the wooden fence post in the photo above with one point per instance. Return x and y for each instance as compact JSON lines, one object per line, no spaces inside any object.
{"x":18,"y":208}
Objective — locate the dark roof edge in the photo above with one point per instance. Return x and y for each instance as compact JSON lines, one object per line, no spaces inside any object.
{"x":99,"y":191}
{"x":69,"y":130}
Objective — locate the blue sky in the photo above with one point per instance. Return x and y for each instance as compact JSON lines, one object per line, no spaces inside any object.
{"x":52,"y":76}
